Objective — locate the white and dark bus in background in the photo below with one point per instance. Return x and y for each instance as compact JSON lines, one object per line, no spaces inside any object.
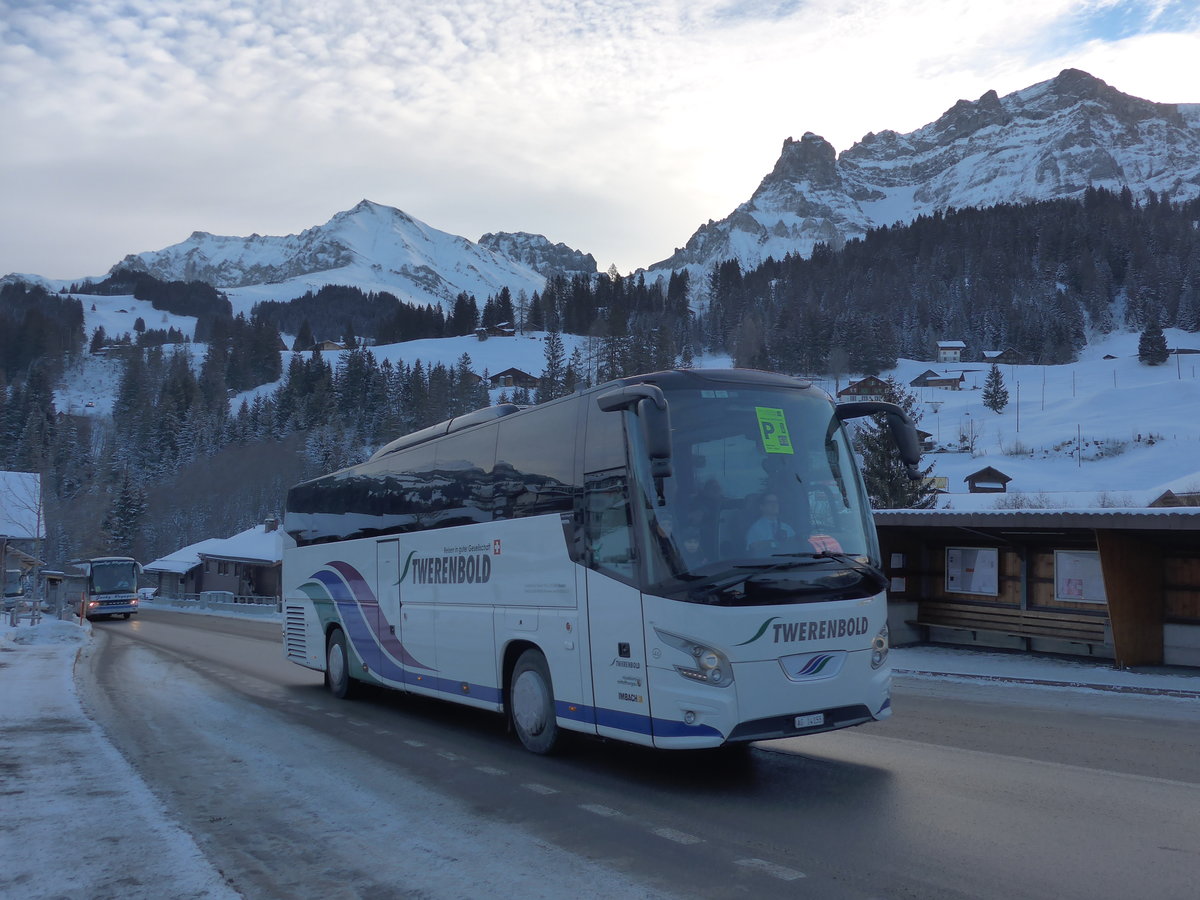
{"x":104,"y":586}
{"x":681,"y":560}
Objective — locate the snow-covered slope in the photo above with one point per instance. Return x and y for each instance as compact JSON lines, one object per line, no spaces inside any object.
{"x":1139,"y":425}
{"x":1051,"y":140}
{"x":373,"y":247}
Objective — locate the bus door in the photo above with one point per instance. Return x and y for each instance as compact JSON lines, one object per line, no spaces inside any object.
{"x":387,"y":622}
{"x":416,"y":620}
{"x":618,"y":649}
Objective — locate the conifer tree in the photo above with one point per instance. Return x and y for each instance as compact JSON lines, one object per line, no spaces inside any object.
{"x":887,"y":481}
{"x":995,"y":394}
{"x":1152,"y":345}
{"x":123,"y":521}
{"x":552,"y":384}
{"x":304,"y":338}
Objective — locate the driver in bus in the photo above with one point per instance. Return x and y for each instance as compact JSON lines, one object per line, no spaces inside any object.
{"x":769,"y":532}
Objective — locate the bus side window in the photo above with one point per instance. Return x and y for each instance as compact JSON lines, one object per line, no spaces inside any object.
{"x":607,"y":527}
{"x":535,"y":466}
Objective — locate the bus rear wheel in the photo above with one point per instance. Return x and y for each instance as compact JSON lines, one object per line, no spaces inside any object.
{"x":337,"y":666}
{"x":531,"y":703}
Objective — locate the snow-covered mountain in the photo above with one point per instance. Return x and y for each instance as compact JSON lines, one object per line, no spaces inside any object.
{"x":373,"y":247}
{"x":1051,"y":140}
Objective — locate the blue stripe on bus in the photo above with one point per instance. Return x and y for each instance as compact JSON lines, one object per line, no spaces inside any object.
{"x":639,"y":724}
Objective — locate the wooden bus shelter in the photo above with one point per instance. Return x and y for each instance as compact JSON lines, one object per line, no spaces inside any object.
{"x":1119,"y":583}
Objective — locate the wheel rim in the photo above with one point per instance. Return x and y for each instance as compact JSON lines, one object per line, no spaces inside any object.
{"x":529,"y":703}
{"x":337,"y":663}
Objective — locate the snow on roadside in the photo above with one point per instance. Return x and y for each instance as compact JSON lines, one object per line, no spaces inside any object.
{"x":78,"y":820}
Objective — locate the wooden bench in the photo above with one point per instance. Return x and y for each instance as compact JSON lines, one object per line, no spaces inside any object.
{"x":1062,"y":625}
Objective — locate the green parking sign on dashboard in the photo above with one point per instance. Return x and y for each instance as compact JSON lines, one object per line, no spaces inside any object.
{"x":773,"y":428}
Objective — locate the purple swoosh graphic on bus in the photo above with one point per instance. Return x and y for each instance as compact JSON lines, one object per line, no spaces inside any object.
{"x":815,"y":665}
{"x":365,"y":596}
{"x":351,"y":595}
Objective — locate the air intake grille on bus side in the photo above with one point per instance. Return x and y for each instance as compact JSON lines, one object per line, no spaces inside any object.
{"x":295,"y":634}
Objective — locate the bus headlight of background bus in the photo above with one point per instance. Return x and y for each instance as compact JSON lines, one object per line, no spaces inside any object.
{"x":879,"y":648}
{"x":709,"y":665}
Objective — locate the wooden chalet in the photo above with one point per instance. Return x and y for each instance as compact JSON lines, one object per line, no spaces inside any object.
{"x":869,"y":388}
{"x":987,"y":481}
{"x":1007,"y":356}
{"x":510,"y":378}
{"x":1170,"y":499}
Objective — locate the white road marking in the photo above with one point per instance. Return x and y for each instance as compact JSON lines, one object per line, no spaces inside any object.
{"x":606,"y":811}
{"x":490,"y":770}
{"x":775,"y":871}
{"x":679,"y":837}
{"x":539,"y":788}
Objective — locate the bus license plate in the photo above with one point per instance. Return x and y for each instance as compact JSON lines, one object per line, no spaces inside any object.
{"x":810,"y":721}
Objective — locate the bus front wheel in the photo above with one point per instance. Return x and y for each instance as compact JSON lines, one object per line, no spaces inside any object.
{"x":337,"y":666}
{"x":531,"y":702}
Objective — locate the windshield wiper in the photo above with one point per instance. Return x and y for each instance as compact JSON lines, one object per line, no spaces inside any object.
{"x":851,"y":562}
{"x":722,"y":581}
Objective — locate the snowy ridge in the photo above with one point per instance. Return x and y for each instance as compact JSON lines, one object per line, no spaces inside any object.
{"x":1051,"y":140}
{"x":373,"y":247}
{"x":536,"y":251}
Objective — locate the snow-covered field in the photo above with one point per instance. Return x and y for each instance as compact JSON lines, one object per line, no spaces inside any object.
{"x":1139,"y":425}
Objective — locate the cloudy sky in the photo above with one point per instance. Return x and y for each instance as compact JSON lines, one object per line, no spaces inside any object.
{"x":616,"y":126}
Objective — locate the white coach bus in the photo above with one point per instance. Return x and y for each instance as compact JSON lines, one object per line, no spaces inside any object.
{"x":682,"y":560}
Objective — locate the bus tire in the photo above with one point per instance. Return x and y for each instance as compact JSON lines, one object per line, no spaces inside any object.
{"x":337,"y":666}
{"x":531,"y":703}
{"x":126,"y":615}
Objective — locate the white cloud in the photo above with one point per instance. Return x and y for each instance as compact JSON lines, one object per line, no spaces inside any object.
{"x":617,"y":127}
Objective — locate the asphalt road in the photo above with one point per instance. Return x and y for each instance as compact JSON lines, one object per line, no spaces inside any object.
{"x":968,"y":791}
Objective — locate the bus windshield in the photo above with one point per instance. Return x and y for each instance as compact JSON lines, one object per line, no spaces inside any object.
{"x":765,"y":503}
{"x":113,"y":576}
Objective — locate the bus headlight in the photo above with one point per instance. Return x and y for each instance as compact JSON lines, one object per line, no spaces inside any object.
{"x":708,"y":664}
{"x":879,"y":648}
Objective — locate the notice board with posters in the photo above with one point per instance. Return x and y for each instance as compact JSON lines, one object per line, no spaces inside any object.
{"x":1077,"y":576}
{"x":973,"y":570}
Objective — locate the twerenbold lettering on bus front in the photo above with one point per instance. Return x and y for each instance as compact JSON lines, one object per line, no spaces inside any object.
{"x":826,"y":629}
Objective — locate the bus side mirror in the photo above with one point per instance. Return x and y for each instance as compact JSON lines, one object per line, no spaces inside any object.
{"x":656,"y":431}
{"x":654,"y":416}
{"x":904,"y":432}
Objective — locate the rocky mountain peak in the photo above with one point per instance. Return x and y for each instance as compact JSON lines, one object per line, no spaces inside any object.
{"x":537,"y":252}
{"x":1053,"y":139}
{"x":811,"y":159}
{"x":965,"y":118}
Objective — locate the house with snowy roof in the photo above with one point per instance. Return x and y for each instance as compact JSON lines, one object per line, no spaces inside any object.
{"x":247,"y":565}
{"x":950,"y":351}
{"x":870,"y":388}
{"x":1007,"y":356}
{"x":931,"y":379}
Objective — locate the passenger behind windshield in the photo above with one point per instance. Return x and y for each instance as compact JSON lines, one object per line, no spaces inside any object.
{"x":769,"y":533}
